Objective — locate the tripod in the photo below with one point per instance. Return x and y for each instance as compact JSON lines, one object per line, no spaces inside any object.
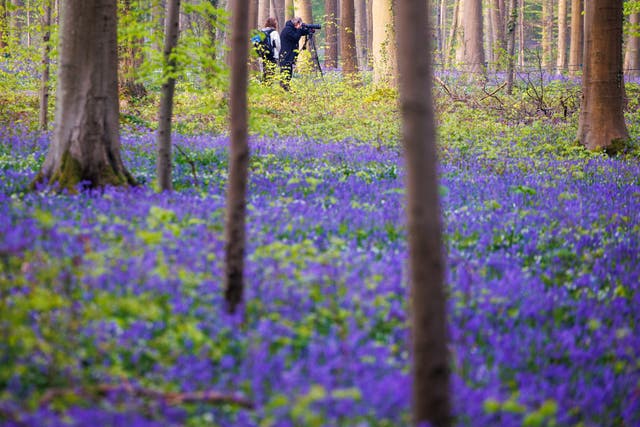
{"x":313,"y":50}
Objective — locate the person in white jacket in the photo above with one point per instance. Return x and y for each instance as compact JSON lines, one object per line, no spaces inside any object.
{"x":270,"y":63}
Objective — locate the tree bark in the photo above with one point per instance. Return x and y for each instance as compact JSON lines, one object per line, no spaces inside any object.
{"x":331,"y":34}
{"x":383,"y":43}
{"x":263,"y":12}
{"x":361,"y":34}
{"x":348,"y":38}
{"x":238,"y":159}
{"x":511,"y":43}
{"x":632,"y":50}
{"x":172,"y":31}
{"x":289,"y":10}
{"x":561,"y":61}
{"x":46,"y":61}
{"x":521,"y":38}
{"x":303,"y":10}
{"x":499,"y":40}
{"x":547,"y":34}
{"x":430,"y":367}
{"x":601,"y":124}
{"x":473,"y":37}
{"x":86,"y":141}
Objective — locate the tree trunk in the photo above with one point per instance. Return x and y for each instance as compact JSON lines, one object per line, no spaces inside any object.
{"x":46,"y":60}
{"x":277,"y":10}
{"x":473,"y":37}
{"x":511,"y":43}
{"x":172,"y":30}
{"x":428,"y":314}
{"x":361,"y":33}
{"x":238,"y":159}
{"x":442,"y":26}
{"x":451,"y":46}
{"x":289,"y":10}
{"x":601,"y":124}
{"x":331,"y":34}
{"x":348,"y":38}
{"x":561,"y":62}
{"x":383,"y":43}
{"x":547,"y":35}
{"x":632,"y":51}
{"x":303,"y":10}
{"x":576,"y":48}
{"x":86,"y":141}
{"x":130,"y":60}
{"x":499,"y":40}
{"x":521,"y":38}
{"x":263,"y":12}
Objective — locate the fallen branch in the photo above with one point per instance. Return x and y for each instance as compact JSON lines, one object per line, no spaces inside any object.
{"x":170,"y":398}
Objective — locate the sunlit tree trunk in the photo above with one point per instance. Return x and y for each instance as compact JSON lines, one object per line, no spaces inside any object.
{"x":428,"y":314}
{"x":263,"y":12}
{"x":331,"y":34}
{"x":547,"y":35}
{"x":576,"y":46}
{"x":303,"y":10}
{"x":383,"y":43}
{"x":86,"y":142}
{"x":473,"y":37}
{"x":561,"y":61}
{"x":172,"y":29}
{"x":442,"y":27}
{"x":348,"y":37}
{"x":601,"y":122}
{"x":632,"y":50}
{"x":511,"y":43}
{"x":454,"y":34}
{"x":521,"y":31}
{"x":238,"y":158}
{"x":46,"y":60}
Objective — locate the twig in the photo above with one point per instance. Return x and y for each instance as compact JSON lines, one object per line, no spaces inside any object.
{"x":191,"y":163}
{"x":170,"y":398}
{"x":492,"y":94}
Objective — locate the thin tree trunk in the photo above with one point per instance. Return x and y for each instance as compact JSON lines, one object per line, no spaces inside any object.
{"x":348,"y":38}
{"x":547,"y":34}
{"x":86,"y":142}
{"x":442,"y":26}
{"x":263,"y":12}
{"x":601,"y":124}
{"x":361,"y":33}
{"x":453,"y":34}
{"x":430,"y":367}
{"x":46,"y":61}
{"x":632,"y":51}
{"x":331,"y":34}
{"x":491,"y":43}
{"x":561,"y":62}
{"x":497,"y":15}
{"x":172,"y":30}
{"x":238,"y":159}
{"x":511,"y":43}
{"x":576,"y":48}
{"x":277,"y":7}
{"x":521,"y":38}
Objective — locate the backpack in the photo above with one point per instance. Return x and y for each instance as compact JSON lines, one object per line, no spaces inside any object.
{"x":263,"y":44}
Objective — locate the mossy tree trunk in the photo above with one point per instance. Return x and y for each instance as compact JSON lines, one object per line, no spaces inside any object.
{"x":601,"y":124}
{"x":430,"y":360}
{"x":85,"y":146}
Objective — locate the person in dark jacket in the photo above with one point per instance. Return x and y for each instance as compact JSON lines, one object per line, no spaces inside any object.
{"x":289,"y":39}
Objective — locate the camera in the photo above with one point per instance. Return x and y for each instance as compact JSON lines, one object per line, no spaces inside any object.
{"x":311,"y":27}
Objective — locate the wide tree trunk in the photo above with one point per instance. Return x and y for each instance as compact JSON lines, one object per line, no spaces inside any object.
{"x":383,"y":41}
{"x":348,"y":37}
{"x":303,"y":10}
{"x":331,"y":34}
{"x":86,"y":142}
{"x":601,"y":124}
{"x":561,"y":61}
{"x":632,"y":51}
{"x":46,"y":61}
{"x":430,"y":361}
{"x":473,"y":37}
{"x":238,"y":159}
{"x":172,"y":30}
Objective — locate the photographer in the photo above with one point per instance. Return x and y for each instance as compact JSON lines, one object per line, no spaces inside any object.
{"x":290,"y":38}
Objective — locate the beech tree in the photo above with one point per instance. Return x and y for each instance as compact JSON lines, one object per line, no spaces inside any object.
{"x":561,"y":58}
{"x":601,"y":124}
{"x":430,"y":366}
{"x":348,"y":53}
{"x":383,"y":43}
{"x":576,"y":45}
{"x":473,"y":36}
{"x":85,"y":146}
{"x":632,"y":50}
{"x":331,"y":34}
{"x":238,"y":158}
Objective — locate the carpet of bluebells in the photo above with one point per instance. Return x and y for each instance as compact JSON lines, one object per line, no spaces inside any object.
{"x":124,"y":288}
